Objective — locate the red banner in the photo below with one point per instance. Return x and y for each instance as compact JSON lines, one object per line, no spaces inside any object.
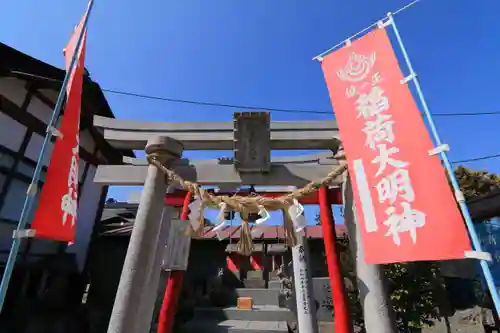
{"x":55,"y":217}
{"x":405,"y":206}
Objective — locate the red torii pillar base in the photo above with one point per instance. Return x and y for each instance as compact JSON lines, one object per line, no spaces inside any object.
{"x":174,"y":286}
{"x":340,"y":305}
{"x":170,"y":300}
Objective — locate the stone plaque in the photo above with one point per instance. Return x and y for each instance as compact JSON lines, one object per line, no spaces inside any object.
{"x":252,"y":141}
{"x":257,"y":247}
{"x":176,"y":254}
{"x":277,"y":248}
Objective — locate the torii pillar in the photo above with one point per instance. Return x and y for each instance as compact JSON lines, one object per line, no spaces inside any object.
{"x":139,"y":261}
{"x":340,"y":304}
{"x":372,"y":283}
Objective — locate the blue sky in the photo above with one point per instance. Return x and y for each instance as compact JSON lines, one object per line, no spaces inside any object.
{"x":259,"y":53}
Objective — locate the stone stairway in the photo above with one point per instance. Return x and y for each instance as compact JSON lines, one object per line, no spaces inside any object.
{"x":265,"y":317}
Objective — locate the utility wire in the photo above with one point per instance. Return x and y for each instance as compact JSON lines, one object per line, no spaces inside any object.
{"x":176,"y":100}
{"x":476,"y":159}
{"x":234,"y":106}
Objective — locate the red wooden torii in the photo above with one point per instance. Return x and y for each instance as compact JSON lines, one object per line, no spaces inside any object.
{"x":325,"y":197}
{"x":334,"y":195}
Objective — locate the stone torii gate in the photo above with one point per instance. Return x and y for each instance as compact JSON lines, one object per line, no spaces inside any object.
{"x":252,"y":137}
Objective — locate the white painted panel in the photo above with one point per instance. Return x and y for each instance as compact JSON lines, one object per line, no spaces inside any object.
{"x":34,"y":148}
{"x":6,"y":230}
{"x":6,"y":160}
{"x":28,"y":170}
{"x":14,"y":201}
{"x":40,"y":110}
{"x":100,"y":156}
{"x":2,"y":179}
{"x":13,"y":89}
{"x":81,"y":168}
{"x":43,"y":246}
{"x":87,"y":209}
{"x":59,"y":121}
{"x":50,"y":94}
{"x":86,"y":141}
{"x":25,"y":169}
{"x":11,"y":132}
{"x":42,"y":176}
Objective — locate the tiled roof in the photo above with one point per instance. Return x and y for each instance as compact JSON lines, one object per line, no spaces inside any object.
{"x":121,"y":213}
{"x":270,"y":232}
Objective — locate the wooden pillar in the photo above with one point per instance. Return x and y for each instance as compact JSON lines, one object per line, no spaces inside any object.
{"x":174,"y":286}
{"x":340,"y":305}
{"x":374,"y":298}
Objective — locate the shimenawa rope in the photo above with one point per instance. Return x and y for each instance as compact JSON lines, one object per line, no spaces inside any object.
{"x":245,"y":205}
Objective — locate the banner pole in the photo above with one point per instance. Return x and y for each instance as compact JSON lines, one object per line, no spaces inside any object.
{"x":333,"y":48}
{"x":33,"y":187}
{"x":456,"y":187}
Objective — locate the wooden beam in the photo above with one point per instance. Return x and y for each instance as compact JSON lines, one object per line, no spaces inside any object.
{"x":111,"y":154}
{"x":324,"y":158}
{"x":207,"y":173}
{"x":18,"y":155}
{"x":36,"y":125}
{"x":126,"y":134}
{"x":176,"y":199}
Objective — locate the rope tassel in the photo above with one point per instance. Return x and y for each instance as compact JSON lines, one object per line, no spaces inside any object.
{"x":290,"y":236}
{"x":245,"y":244}
{"x":248,"y":204}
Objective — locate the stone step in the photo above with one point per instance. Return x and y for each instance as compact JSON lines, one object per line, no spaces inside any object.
{"x":258,"y":313}
{"x":254,"y":283}
{"x":234,"y":326}
{"x":274,"y":284}
{"x":260,"y":296}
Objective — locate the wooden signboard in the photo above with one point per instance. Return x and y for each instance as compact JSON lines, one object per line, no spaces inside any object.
{"x":176,"y":254}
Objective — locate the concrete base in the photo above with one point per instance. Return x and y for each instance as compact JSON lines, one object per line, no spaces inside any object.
{"x":235,"y":326}
{"x":260,"y":296}
{"x":254,"y":283}
{"x":258,"y":313}
{"x":266,"y":316}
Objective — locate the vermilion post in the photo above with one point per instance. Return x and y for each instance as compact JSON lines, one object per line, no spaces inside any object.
{"x":340,"y":305}
{"x":174,"y":285}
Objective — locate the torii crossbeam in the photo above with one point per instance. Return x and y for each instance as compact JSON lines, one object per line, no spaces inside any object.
{"x":251,"y":136}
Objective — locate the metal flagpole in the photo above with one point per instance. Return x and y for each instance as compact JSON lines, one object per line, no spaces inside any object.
{"x":33,"y":187}
{"x":333,"y":48}
{"x":458,"y":193}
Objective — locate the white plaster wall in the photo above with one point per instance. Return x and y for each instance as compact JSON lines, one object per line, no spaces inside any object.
{"x":13,"y":89}
{"x":14,"y":200}
{"x":40,"y":110}
{"x":33,"y":151}
{"x":11,"y":136}
{"x":86,"y":141}
{"x":6,"y":231}
{"x":88,"y":206}
{"x":12,"y":209}
{"x":43,"y":246}
{"x":2,"y":179}
{"x":11,"y":132}
{"x":34,"y":147}
{"x":6,"y":160}
{"x":81,"y":168}
{"x":50,"y":93}
{"x":87,"y":209}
